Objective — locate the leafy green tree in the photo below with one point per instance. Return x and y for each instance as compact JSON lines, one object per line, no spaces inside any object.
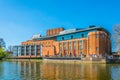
{"x":3,"y":54}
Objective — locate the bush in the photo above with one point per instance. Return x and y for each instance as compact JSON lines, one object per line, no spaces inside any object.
{"x":3,"y":54}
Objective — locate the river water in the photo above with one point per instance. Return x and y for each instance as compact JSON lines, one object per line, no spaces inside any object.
{"x":34,"y":70}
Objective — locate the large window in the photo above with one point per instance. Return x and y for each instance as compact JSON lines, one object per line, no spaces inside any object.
{"x":103,"y":36}
{"x":97,"y":48}
{"x":82,"y":35}
{"x":60,"y":47}
{"x":70,"y":43}
{"x":81,"y":42}
{"x":80,"y":53}
{"x":75,"y":47}
{"x":96,"y":35}
{"x":60,"y":44}
{"x":64,"y":43}
{"x":65,"y":48}
{"x":74,"y":43}
{"x":62,"y":38}
{"x":80,"y":47}
{"x":71,"y":37}
{"x":70,"y":48}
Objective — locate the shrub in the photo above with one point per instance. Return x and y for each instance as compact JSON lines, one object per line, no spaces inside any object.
{"x":3,"y":54}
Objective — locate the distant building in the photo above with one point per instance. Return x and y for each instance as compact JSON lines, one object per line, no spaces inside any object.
{"x":74,"y":42}
{"x":2,"y":43}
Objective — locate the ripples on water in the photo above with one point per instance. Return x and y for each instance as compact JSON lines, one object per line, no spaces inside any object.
{"x":32,"y":70}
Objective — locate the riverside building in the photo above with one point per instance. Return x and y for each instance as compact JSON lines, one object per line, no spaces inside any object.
{"x":72,"y":42}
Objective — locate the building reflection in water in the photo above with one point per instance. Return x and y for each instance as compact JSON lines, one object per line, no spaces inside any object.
{"x":30,"y":70}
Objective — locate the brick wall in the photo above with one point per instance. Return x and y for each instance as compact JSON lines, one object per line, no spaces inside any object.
{"x":54,"y":31}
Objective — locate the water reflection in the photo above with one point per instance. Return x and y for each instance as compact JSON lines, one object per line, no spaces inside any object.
{"x":75,"y":72}
{"x":32,"y":70}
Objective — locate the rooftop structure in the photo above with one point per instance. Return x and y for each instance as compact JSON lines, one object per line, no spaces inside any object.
{"x":36,"y":36}
{"x":70,"y":31}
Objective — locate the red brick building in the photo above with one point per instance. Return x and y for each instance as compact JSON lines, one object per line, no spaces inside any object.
{"x":72,"y":42}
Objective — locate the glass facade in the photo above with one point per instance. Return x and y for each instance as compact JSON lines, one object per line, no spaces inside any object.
{"x":73,"y":35}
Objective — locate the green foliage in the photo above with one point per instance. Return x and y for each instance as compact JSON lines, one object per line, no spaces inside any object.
{"x":3,"y":54}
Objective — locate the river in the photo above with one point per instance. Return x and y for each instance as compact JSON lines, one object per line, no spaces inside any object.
{"x":34,"y":70}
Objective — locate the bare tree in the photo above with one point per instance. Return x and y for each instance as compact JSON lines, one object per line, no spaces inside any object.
{"x":116,"y":37}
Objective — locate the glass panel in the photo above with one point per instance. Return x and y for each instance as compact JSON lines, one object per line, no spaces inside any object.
{"x":80,"y":42}
{"x":96,"y":35}
{"x":74,"y":35}
{"x":97,"y":49}
{"x":80,"y":47}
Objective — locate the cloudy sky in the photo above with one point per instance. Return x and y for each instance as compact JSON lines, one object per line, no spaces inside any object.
{"x":20,"y":19}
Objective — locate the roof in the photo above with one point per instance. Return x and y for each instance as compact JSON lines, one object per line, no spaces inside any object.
{"x":75,"y":31}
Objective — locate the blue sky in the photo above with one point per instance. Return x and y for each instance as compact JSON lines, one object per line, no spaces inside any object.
{"x":20,"y":19}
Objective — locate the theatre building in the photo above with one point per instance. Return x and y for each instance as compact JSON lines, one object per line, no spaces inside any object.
{"x":64,"y":43}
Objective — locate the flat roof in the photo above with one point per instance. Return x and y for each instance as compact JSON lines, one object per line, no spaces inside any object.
{"x":81,"y":30}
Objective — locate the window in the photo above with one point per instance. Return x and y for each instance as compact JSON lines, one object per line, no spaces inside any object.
{"x":60,"y":48}
{"x":65,"y":48}
{"x":103,"y":36}
{"x":80,"y":47}
{"x":64,"y":43}
{"x":80,"y":53}
{"x":96,"y":35}
{"x":71,"y":37}
{"x":70,"y":43}
{"x":60,"y":44}
{"x":97,"y":49}
{"x":74,"y":42}
{"x":75,"y":47}
{"x":82,"y":35}
{"x":70,"y":48}
{"x":80,"y":41}
{"x":62,"y":38}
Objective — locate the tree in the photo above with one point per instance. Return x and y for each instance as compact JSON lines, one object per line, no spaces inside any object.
{"x":116,"y":37}
{"x":3,"y":54}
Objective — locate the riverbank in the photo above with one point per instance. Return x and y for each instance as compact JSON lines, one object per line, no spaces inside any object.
{"x":74,"y":61}
{"x":62,"y":61}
